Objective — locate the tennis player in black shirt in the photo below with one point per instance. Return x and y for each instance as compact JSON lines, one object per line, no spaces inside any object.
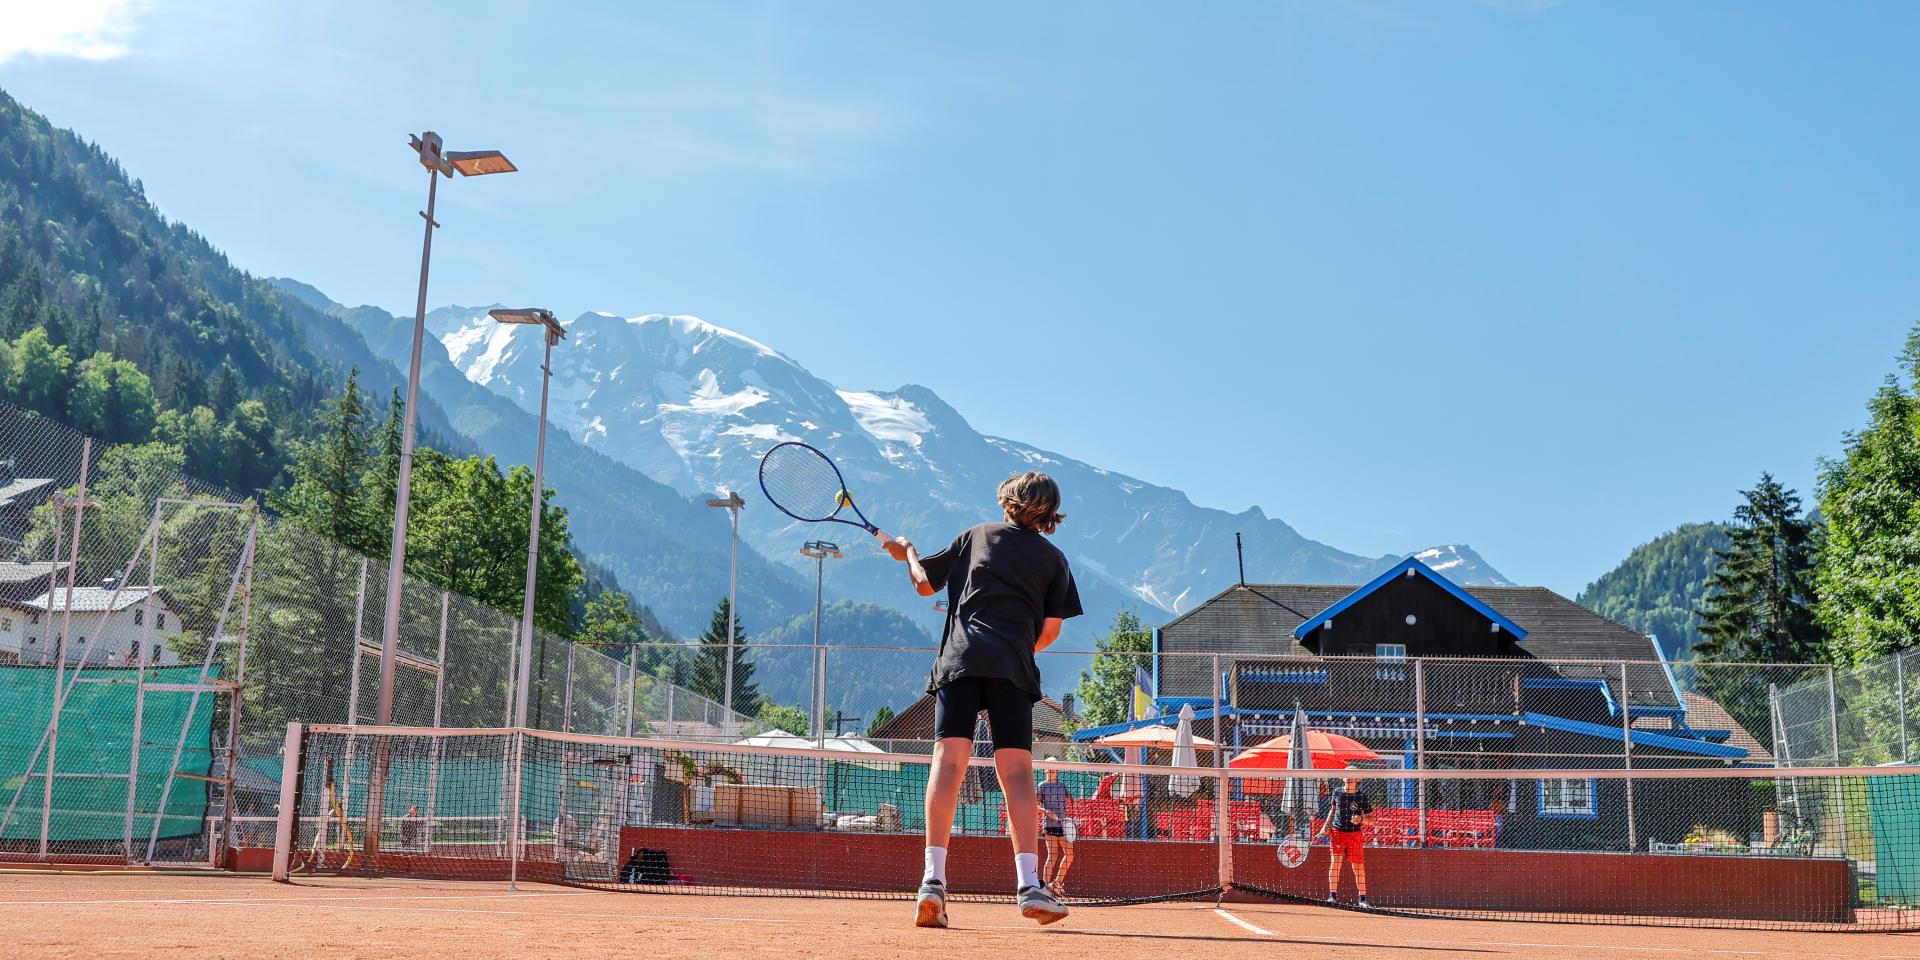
{"x":1008,"y":591}
{"x":1343,"y":818}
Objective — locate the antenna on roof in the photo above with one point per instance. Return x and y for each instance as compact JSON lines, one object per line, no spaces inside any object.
{"x":1240,"y":554}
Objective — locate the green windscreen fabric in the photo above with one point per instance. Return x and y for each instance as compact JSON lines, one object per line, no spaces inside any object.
{"x":1892,"y":802}
{"x":95,"y":749}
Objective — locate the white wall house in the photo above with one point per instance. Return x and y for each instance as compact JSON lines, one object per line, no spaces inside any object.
{"x":30,"y":629}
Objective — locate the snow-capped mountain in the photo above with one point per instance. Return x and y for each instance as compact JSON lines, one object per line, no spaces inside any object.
{"x":693,"y":406}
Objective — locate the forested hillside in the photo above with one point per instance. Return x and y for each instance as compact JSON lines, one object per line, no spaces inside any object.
{"x":1660,"y":585}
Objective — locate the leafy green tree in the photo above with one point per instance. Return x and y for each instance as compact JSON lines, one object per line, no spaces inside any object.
{"x":880,"y":719}
{"x":249,"y":448}
{"x":709,"y":672}
{"x":791,"y":719}
{"x":1108,"y":684}
{"x":196,"y":433}
{"x":42,"y":374}
{"x":1869,"y":575}
{"x":612,"y":623}
{"x":467,"y":532}
{"x":112,"y":400}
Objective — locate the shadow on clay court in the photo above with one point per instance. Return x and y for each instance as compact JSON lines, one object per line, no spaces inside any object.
{"x":1276,"y":941}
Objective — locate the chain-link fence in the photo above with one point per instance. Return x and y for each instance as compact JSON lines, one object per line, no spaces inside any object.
{"x":158,"y":633}
{"x":1865,"y":715}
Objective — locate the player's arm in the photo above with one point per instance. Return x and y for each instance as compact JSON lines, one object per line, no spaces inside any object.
{"x":1049,"y":632}
{"x":922,"y":584}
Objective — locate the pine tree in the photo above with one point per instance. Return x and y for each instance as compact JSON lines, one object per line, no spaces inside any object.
{"x":708,"y":677}
{"x":1759,"y":605}
{"x":328,"y":472}
{"x":226,"y":390}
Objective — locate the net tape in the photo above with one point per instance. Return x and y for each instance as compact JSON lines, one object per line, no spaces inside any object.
{"x":1819,"y":848}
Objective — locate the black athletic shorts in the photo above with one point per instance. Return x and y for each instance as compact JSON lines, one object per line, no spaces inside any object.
{"x":957,"y":706}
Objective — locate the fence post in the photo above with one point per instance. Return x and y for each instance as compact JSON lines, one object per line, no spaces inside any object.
{"x":1626,"y":754}
{"x":1833,"y":728}
{"x":566,"y":697}
{"x":633,"y":680}
{"x":1900,"y":700}
{"x":1222,"y":794}
{"x":1420,"y":740}
{"x":359,"y":621}
{"x":518,"y":766}
{"x":66,"y":622}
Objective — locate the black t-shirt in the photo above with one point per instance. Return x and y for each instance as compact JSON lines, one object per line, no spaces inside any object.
{"x":1347,"y":809}
{"x":1002,"y":580}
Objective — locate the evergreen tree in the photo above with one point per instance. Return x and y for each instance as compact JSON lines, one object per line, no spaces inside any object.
{"x":226,"y":389}
{"x":1759,"y":605}
{"x":1869,"y":577}
{"x":1106,"y":687}
{"x":709,"y":673}
{"x":880,"y":719}
{"x":328,"y":472}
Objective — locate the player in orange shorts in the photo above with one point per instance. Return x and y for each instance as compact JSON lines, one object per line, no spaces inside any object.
{"x":1343,"y":818}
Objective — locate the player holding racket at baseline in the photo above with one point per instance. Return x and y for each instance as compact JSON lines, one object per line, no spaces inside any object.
{"x":1008,"y":591}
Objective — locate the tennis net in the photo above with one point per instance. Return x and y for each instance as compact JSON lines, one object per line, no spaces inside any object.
{"x":1835,"y":848}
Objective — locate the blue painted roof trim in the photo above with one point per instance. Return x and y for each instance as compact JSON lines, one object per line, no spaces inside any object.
{"x":1667,"y":668}
{"x":1644,"y":738}
{"x":1400,"y":570}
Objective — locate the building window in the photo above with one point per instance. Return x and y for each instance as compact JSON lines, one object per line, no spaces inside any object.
{"x":156,"y":654}
{"x":139,"y":615}
{"x":1411,"y":619}
{"x":1390,"y":653}
{"x":6,"y":623}
{"x":160,"y":620}
{"x":1568,"y":799}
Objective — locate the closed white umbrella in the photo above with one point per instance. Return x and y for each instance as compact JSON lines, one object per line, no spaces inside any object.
{"x":1184,"y":755}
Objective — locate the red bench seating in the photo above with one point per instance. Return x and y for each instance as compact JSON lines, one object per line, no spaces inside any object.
{"x":1458,"y":829}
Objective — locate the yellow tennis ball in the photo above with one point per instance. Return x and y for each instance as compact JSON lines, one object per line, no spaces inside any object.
{"x":842,"y":499}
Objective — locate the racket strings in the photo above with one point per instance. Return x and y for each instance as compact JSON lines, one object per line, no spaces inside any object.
{"x":802,"y":482}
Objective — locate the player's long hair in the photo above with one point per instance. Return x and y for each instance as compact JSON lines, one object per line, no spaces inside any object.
{"x":1032,"y":500}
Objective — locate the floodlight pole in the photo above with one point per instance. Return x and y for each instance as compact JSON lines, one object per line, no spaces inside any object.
{"x":733,"y":505}
{"x":819,"y":551}
{"x":551,"y":336}
{"x":438,"y":163}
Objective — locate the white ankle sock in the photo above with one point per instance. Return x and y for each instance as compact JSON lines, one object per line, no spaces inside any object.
{"x":1026,"y":866}
{"x":936,"y":866}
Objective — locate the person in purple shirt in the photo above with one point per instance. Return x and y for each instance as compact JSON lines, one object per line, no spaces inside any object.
{"x":1058,"y":829}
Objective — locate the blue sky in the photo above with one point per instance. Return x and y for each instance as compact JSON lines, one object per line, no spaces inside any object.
{"x":1546,"y":278}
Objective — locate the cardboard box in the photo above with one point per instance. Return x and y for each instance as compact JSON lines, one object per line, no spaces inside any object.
{"x":741,"y":805}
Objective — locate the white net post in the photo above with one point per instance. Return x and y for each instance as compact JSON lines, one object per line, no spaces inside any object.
{"x":286,"y":826}
{"x":515,"y":836}
{"x":1222,"y":796}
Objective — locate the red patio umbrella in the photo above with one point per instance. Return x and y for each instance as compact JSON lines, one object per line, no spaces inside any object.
{"x":1331,"y":751}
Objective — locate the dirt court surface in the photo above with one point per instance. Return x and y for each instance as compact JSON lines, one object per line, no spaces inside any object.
{"x":98,"y":916}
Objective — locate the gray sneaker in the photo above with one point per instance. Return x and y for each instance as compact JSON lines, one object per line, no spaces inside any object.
{"x":1039,"y":905}
{"x":931,"y":911}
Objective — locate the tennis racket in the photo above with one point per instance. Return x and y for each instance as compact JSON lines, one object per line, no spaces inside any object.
{"x":804,"y":484}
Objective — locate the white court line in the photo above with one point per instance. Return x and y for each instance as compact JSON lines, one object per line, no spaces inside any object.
{"x":1236,"y":921}
{"x":243,"y":900}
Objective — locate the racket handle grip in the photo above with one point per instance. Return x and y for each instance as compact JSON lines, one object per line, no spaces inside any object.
{"x":894,"y":550}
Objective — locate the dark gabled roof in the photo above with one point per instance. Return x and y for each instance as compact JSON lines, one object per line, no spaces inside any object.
{"x":1410,"y":567}
{"x":1259,"y":620}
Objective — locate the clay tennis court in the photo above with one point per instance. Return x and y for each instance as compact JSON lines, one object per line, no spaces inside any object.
{"x":145,"y":915}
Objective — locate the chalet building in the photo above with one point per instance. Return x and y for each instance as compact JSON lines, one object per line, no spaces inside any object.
{"x":1430,"y":673}
{"x":911,"y":730}
{"x":30,"y":629}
